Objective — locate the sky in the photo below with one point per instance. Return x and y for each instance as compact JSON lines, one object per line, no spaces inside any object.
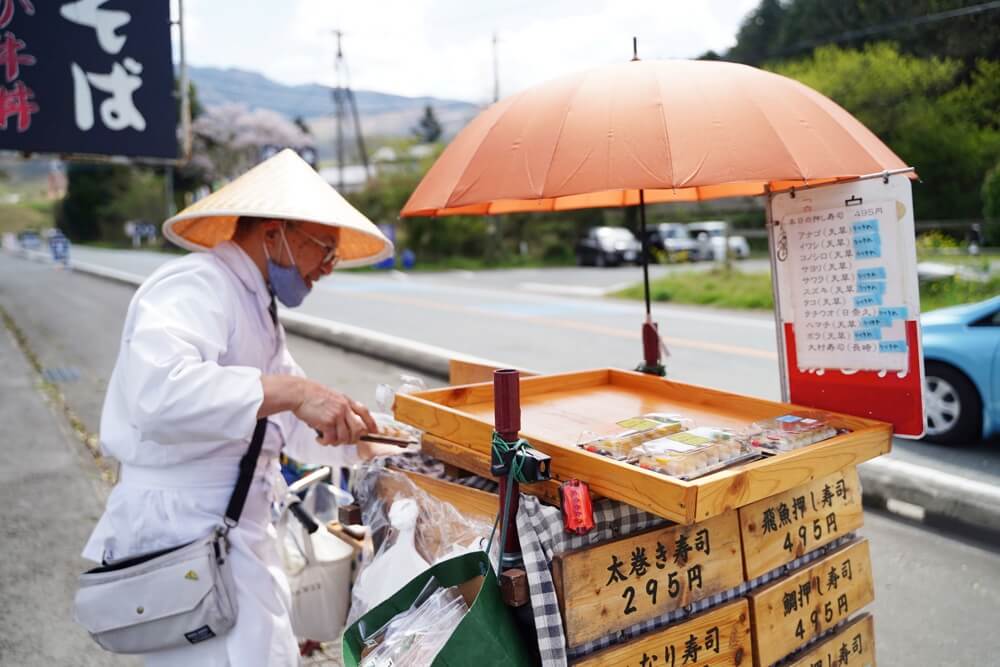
{"x":444,"y":48}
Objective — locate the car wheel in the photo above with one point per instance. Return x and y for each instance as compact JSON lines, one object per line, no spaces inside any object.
{"x":600,"y":260}
{"x":952,"y":404}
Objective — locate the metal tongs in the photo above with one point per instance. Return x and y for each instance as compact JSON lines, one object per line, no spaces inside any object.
{"x":399,"y":441}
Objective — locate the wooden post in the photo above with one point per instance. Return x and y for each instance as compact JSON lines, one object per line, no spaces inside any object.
{"x":507,"y":421}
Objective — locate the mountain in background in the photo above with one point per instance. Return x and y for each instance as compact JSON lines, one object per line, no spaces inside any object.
{"x":382,"y":114}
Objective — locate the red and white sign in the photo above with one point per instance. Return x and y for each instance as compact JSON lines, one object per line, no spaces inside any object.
{"x":848,"y":301}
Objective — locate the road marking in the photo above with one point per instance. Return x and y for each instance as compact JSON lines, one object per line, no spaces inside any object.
{"x":570,"y":324}
{"x":568,"y":290}
{"x":905,"y":509}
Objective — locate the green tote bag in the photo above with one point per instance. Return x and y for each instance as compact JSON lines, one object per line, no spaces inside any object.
{"x":487,"y":635}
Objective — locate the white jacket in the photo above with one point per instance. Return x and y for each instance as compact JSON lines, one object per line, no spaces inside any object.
{"x":179,"y":413}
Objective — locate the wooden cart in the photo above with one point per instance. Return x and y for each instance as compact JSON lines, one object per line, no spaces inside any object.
{"x":779,"y":531}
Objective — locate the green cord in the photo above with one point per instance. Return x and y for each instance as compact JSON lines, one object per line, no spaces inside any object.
{"x":515,"y":473}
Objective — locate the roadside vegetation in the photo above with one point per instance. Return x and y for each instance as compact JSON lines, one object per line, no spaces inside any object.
{"x":737,"y":289}
{"x":716,"y":287}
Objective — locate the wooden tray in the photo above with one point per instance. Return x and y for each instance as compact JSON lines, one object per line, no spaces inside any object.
{"x":556,"y":410}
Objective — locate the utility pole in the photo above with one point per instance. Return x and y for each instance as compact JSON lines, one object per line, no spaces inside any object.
{"x":343,"y":95}
{"x":338,"y":106}
{"x":496,"y":70}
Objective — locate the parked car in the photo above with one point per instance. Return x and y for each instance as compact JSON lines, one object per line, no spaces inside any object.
{"x":608,"y":246}
{"x":671,"y":242}
{"x":962,"y":372}
{"x":710,"y":239}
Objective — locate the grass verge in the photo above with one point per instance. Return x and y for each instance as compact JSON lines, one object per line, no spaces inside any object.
{"x":954,"y":291}
{"x":735,"y":289}
{"x":716,"y":287}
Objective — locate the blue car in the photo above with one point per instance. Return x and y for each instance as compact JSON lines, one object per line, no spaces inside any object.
{"x":962,"y":369}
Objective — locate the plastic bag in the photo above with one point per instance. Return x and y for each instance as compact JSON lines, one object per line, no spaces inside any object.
{"x":391,"y":569}
{"x":441,"y":531}
{"x":385,"y":395}
{"x":417,"y":635}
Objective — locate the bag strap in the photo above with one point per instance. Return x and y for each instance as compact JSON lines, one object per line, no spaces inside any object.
{"x":247,"y":466}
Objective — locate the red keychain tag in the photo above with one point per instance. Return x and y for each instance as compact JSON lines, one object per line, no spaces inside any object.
{"x":578,"y":514}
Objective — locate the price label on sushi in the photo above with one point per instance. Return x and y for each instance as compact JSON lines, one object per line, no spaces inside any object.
{"x":783,"y":527}
{"x":611,"y":586}
{"x":796,"y":609}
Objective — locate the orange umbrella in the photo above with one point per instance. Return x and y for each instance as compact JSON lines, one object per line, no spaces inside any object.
{"x":647,"y":131}
{"x":680,"y":130}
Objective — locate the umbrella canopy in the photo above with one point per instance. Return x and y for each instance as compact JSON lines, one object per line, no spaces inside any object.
{"x":679,"y":130}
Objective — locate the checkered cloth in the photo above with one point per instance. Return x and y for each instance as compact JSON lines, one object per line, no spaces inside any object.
{"x":542,"y":536}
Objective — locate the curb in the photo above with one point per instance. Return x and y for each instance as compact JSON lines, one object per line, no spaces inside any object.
{"x":885,"y":481}
{"x":429,"y":359}
{"x":938,"y":494}
{"x":424,"y":358}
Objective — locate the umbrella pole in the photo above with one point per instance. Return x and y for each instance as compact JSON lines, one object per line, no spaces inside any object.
{"x":645,"y":250}
{"x":651,"y":363}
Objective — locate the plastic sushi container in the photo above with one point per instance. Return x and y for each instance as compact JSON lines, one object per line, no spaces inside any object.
{"x":790,"y":432}
{"x":641,"y":429}
{"x":693,"y":453}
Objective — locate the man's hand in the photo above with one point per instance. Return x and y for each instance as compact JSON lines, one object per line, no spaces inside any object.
{"x":339,"y":419}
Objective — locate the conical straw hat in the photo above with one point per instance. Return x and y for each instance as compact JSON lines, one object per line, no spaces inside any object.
{"x":287,"y":188}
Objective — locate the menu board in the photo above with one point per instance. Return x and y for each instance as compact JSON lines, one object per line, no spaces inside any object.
{"x":847,"y":300}
{"x":846,"y":266}
{"x":847,"y":289}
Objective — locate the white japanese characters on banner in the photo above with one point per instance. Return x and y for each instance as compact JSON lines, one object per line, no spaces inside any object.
{"x":118,"y":111}
{"x":840,"y":251}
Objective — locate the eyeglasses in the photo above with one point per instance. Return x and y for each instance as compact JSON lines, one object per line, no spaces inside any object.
{"x":331,"y":250}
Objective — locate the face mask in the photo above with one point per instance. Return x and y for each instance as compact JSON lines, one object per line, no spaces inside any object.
{"x":286,"y":282}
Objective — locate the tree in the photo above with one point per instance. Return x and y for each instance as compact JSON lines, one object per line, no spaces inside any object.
{"x":756,"y":40}
{"x":92,"y":191}
{"x":790,"y":29}
{"x":934,"y":119}
{"x":229,"y":139}
{"x":428,"y":129}
{"x":991,"y":206}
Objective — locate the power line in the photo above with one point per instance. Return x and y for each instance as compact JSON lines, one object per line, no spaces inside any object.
{"x":851,"y":35}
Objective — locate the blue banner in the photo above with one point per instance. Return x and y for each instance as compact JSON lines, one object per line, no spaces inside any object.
{"x":87,"y":76}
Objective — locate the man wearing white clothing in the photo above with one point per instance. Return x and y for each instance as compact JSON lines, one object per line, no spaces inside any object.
{"x":202,"y":358}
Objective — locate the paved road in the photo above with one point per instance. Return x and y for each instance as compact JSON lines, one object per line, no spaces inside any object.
{"x":937,"y":594}
{"x":490,"y":314}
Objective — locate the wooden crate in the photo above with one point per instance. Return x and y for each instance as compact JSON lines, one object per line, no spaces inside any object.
{"x":558,"y":409}
{"x":854,"y":644}
{"x":783,"y":527}
{"x":465,"y":499}
{"x":716,"y":638}
{"x":794,"y":610}
{"x":616,"y":584}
